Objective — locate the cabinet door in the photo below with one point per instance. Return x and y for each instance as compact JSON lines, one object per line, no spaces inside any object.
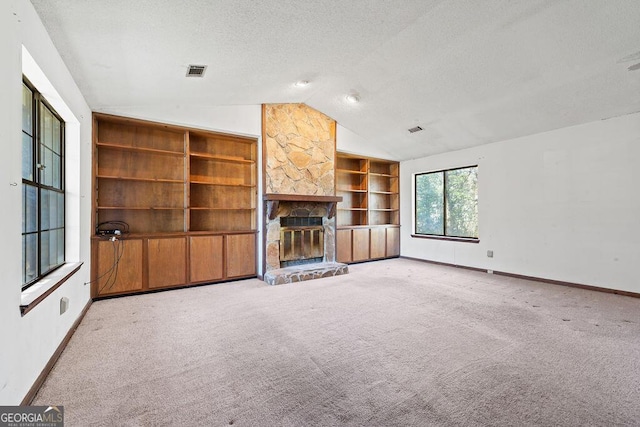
{"x":393,"y":242}
{"x":167,"y":262}
{"x":343,"y":242}
{"x":241,"y":255}
{"x":360,"y":244}
{"x":206,"y":256}
{"x":378,"y":243}
{"x":124,"y":276}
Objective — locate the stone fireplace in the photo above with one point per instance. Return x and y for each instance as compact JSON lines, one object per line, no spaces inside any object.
{"x":300,"y":201}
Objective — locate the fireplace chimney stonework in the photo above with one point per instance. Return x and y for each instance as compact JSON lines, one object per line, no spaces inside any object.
{"x":299,"y":180}
{"x":300,"y":150}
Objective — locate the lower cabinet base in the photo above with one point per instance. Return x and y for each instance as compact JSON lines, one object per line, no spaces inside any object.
{"x":140,"y":264}
{"x":367,"y":243}
{"x":166,"y":262}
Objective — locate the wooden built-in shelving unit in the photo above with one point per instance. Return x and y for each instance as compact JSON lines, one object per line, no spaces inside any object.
{"x":368,"y":218}
{"x":188,"y":197}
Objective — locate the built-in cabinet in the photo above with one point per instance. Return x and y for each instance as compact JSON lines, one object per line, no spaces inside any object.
{"x":368,"y":218}
{"x":184,"y":201}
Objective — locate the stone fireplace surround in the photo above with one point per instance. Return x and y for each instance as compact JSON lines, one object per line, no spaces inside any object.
{"x":284,"y":205}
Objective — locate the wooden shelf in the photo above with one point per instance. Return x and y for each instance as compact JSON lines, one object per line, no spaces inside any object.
{"x":384,"y":175}
{"x":221,"y":220}
{"x":222,"y":185}
{"x":368,"y":218}
{"x":351,"y":227}
{"x":301,"y":198}
{"x":129,"y":178}
{"x":221,"y":158}
{"x":347,"y":190}
{"x":146,"y":220}
{"x":351,"y":171}
{"x":208,"y":170}
{"x":220,"y":209}
{"x":124,"y":132}
{"x":177,"y":234}
{"x":351,"y":165}
{"x":149,"y":165}
{"x":188,"y":197}
{"x":368,"y":185}
{"x":145,"y":208}
{"x":139,"y":149}
{"x":222,"y":147}
{"x":226,"y":232}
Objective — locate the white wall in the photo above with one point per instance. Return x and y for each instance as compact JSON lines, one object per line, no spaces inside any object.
{"x":237,"y":119}
{"x":352,"y":143}
{"x":561,"y":205}
{"x":27,"y":342}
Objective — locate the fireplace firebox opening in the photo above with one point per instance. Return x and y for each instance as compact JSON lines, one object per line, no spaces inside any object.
{"x":301,"y":240}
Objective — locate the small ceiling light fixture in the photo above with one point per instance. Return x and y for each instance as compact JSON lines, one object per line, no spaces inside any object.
{"x":196,"y":70}
{"x":415,"y":129}
{"x":353,"y":98}
{"x":302,"y":83}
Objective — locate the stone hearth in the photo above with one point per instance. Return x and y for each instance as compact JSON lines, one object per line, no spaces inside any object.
{"x":300,"y":273}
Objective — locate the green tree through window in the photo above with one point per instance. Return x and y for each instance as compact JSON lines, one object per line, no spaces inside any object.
{"x":447,"y":203}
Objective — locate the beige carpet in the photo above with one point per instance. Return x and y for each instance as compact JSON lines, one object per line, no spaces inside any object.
{"x":395,"y":342}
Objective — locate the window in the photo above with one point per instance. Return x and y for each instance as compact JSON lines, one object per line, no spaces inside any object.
{"x":42,"y":187}
{"x":446,"y":203}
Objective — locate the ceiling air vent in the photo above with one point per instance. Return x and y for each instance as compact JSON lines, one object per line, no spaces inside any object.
{"x":196,"y":70}
{"x":415,"y":129}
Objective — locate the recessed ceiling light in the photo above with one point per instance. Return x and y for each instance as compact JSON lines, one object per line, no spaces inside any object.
{"x":302,"y":83}
{"x":353,"y":98}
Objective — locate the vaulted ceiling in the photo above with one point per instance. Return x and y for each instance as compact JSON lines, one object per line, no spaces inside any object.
{"x":468,"y":72}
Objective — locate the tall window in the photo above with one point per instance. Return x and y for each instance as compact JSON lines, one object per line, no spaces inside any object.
{"x":447,"y":203}
{"x":42,"y":187}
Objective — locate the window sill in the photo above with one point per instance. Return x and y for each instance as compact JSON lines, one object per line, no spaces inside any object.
{"x":447,"y":238}
{"x":37,"y":292}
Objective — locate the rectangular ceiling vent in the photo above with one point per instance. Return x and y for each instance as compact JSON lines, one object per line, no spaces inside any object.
{"x":415,"y":129}
{"x":196,"y":70}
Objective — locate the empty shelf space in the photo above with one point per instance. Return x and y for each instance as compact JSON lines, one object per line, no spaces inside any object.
{"x":129,"y":178}
{"x":139,"y":149}
{"x":220,"y":158}
{"x":349,"y":171}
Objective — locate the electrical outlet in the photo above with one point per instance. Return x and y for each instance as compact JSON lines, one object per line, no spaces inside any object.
{"x":490,"y":254}
{"x":64,"y":304}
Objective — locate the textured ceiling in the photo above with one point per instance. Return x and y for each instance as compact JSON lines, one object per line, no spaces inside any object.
{"x":469,"y":72}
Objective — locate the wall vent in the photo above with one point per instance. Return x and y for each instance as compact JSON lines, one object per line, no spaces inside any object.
{"x":415,"y":129}
{"x":196,"y":70}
